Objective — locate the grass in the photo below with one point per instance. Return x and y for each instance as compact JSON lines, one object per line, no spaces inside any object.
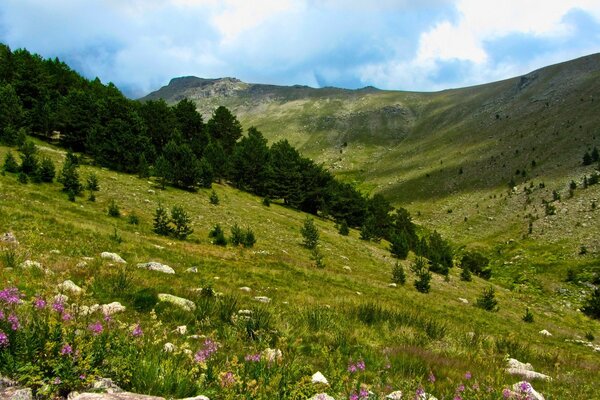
{"x":320,"y":318}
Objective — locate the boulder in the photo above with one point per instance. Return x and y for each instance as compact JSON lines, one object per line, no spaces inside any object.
{"x":177,"y":301}
{"x":10,"y":238}
{"x":463,"y":300}
{"x":525,"y":370}
{"x":524,"y":387}
{"x":318,"y":377}
{"x":16,"y":393}
{"x":245,"y":289}
{"x":156,"y":266}
{"x":544,"y":332}
{"x":262,"y":299}
{"x":106,"y":385}
{"x":114,"y":257}
{"x":69,"y":286}
{"x":193,"y":270}
{"x":196,"y":398}
{"x":392,"y":285}
{"x":54,"y":251}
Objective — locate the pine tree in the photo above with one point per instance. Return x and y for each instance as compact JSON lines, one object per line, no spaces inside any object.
{"x":465,"y":274}
{"x":587,"y":158}
{"x":249,"y":238}
{"x":10,"y":164}
{"x":143,"y":168}
{"x":310,"y":234}
{"x":161,"y":221}
{"x":595,"y":156}
{"x":487,"y":300}
{"x":218,"y":236}
{"x":69,"y":177}
{"x":398,"y":274}
{"x":47,"y":172}
{"x":423,"y":276}
{"x":399,"y":245}
{"x":29,"y":162}
{"x":181,"y":220}
{"x":213,"y":198}
{"x":528,"y":317}
{"x":237,"y":235}
{"x":592,"y":305}
{"x":91,"y":183}
{"x":343,"y":229}
{"x":162,"y":170}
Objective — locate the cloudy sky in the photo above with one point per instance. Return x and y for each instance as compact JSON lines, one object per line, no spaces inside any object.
{"x":420,"y":45}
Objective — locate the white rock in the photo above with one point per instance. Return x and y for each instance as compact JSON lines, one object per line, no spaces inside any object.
{"x":196,"y":398}
{"x":245,"y":312}
{"x":359,"y":293}
{"x":347,"y":268}
{"x":319,"y":378}
{"x":114,"y":257}
{"x":544,"y":332}
{"x":262,"y":299}
{"x":245,"y":289}
{"x":528,"y":375}
{"x":271,"y":355}
{"x":177,"y":301}
{"x":396,"y":395}
{"x":322,"y":396}
{"x":526,"y":388}
{"x":151,"y":191}
{"x":81,"y":264}
{"x":112,"y":308}
{"x":425,"y":396}
{"x":392,"y":285}
{"x":31,"y":264}
{"x":70,"y":286}
{"x":516,"y":364}
{"x":463,"y":300}
{"x":182,"y":329}
{"x":9,"y":237}
{"x":169,"y":347}
{"x":156,"y":266}
{"x":192,"y":270}
{"x":54,"y":251}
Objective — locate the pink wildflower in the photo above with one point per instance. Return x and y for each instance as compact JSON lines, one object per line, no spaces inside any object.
{"x":227,"y":379}
{"x":3,"y":339}
{"x":67,"y":317}
{"x":360,"y":365}
{"x":209,"y":348}
{"x":58,"y":306}
{"x":66,"y":350}
{"x":252,"y":357}
{"x":431,"y":377}
{"x":14,"y":322}
{"x":137,"y":331}
{"x":468,"y":375}
{"x":39,"y":303}
{"x":10,"y":296}
{"x":364,"y":393}
{"x":506,"y":393}
{"x":96,"y":328}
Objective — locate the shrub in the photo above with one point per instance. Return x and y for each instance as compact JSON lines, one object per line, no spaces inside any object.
{"x":398,"y":274}
{"x":22,"y":177}
{"x":29,"y":162}
{"x":113,"y":209}
{"x":47,"y":172}
{"x":213,"y":198}
{"x":592,"y":305}
{"x":476,"y":263}
{"x":161,"y":221}
{"x":182,"y":223}
{"x":317,"y":257}
{"x":237,"y":235}
{"x":309,"y":233}
{"x":465,"y":274}
{"x":133,"y":219}
{"x":423,"y":276}
{"x":249,"y":238}
{"x":266,"y":201}
{"x":69,"y":177}
{"x":115,"y":236}
{"x":343,"y":229}
{"x":399,"y":245}
{"x":487,"y":300}
{"x":92,"y":183}
{"x":10,"y":164}
{"x":217,"y":235}
{"x":528,"y":317}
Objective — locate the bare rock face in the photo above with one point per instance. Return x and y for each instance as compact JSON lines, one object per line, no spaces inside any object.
{"x":15,"y":393}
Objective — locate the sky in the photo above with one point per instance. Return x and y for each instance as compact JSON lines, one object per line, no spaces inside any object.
{"x":418,"y":45}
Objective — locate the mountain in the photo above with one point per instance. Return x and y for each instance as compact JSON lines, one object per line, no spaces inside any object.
{"x":447,"y":156}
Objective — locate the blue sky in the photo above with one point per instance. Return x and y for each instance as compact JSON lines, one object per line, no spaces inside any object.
{"x":424,"y":45}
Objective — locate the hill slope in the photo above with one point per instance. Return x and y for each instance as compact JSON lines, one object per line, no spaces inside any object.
{"x":455,"y":150}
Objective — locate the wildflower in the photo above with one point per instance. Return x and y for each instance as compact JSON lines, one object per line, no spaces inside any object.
{"x":39,"y":303}
{"x":476,"y":387}
{"x":457,"y":397}
{"x":525,"y":386}
{"x":506,"y":393}
{"x":14,"y":322}
{"x":210,"y":347}
{"x":364,"y":393}
{"x":468,"y":375}
{"x":107,"y":318}
{"x":1,"y":315}
{"x":82,"y":376}
{"x":57,"y":381}
{"x":96,"y":328}
{"x":353,"y":396}
{"x":58,"y":306}
{"x":351,"y":368}
{"x":137,"y":331}
{"x":360,"y":365}
{"x":10,"y":296}
{"x":67,"y":317}
{"x":66,"y":350}
{"x":3,"y":339}
{"x":252,"y":357}
{"x":431,"y":377}
{"x":227,"y":379}
{"x":420,"y":392}
{"x":460,"y":388}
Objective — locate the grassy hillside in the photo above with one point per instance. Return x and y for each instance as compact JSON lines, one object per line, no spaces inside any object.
{"x":321,"y":319}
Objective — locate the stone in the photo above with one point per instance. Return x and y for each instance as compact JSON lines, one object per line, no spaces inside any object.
{"x":262,"y":299}
{"x":528,"y":375}
{"x":81,"y":264}
{"x":514,"y":363}
{"x":177,"y":301}
{"x":114,"y":257}
{"x":245,"y":289}
{"x":31,"y":264}
{"x":271,"y":355}
{"x":463,"y":300}
{"x":347,"y":268}
{"x":196,"y":398}
{"x":54,"y":251}
{"x":16,"y":393}
{"x":112,"y":308}
{"x":396,"y":395}
{"x":544,"y":332}
{"x":151,"y":191}
{"x":318,"y":377}
{"x":425,"y":396}
{"x":69,"y":286}
{"x":321,"y":396}
{"x":113,"y":396}
{"x":182,"y":330}
{"x":10,"y":238}
{"x":245,"y":312}
{"x":392,"y":285}
{"x":156,"y":266}
{"x":169,"y":347}
{"x":106,"y":385}
{"x":192,"y":270}
{"x":524,"y":387}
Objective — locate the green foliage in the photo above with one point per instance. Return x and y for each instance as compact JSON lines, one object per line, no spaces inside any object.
{"x":133,"y":219}
{"x":116,"y":236}
{"x":399,"y":245}
{"x":587,"y":158}
{"x":249,"y":238}
{"x":528,"y":317}
{"x":237,"y":235}
{"x":162,"y":170}
{"x":423,"y":276}
{"x":310,"y":234}
{"x":144,"y":299}
{"x":591,"y":306}
{"x":46,"y":171}
{"x":22,"y":177}
{"x":92,"y":183}
{"x":487,"y":300}
{"x":398,"y":274}
{"x":224,"y":128}
{"x":143,"y":168}
{"x":181,"y":220}
{"x":29,"y":162}
{"x":69,"y":177}
{"x":213,"y":198}
{"x":439,"y":253}
{"x":113,"y":209}
{"x":476,"y":263}
{"x":343,"y":228}
{"x":162,"y":221}
{"x":10,"y":164}
{"x":465,"y":274}
{"x":218,"y":236}
{"x":317,"y":257}
{"x":266,"y":201}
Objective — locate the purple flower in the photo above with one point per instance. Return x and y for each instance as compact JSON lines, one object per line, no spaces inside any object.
{"x":82,"y":376}
{"x":209,"y":348}
{"x":3,"y":339}
{"x":468,"y":375}
{"x":525,"y":386}
{"x":360,"y":365}
{"x":67,"y":317}
{"x":57,"y":381}
{"x":252,"y":357}
{"x":66,"y":350}
{"x":39,"y":303}
{"x":460,"y":388}
{"x":351,"y":368}
{"x":137,"y":331}
{"x":353,"y":396}
{"x":431,"y":377}
{"x":364,"y":393}
{"x":58,"y":306}
{"x":10,"y":296}
{"x":96,"y":328}
{"x":457,"y":397}
{"x":420,"y":392}
{"x":506,"y":393}
{"x":14,"y":322}
{"x":107,"y":318}
{"x":227,"y":379}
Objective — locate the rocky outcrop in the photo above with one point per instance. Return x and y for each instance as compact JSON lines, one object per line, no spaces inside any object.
{"x":156,"y":266}
{"x":9,"y":238}
{"x":114,"y":257}
{"x":186,"y":304}
{"x":69,"y":286}
{"x":524,"y":370}
{"x":318,"y":377}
